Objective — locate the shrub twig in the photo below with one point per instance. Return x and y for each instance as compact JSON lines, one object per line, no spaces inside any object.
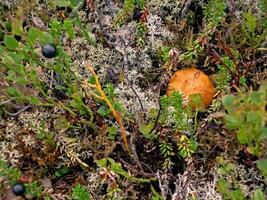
{"x":103,"y":96}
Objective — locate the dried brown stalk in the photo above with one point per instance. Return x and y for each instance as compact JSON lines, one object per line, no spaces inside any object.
{"x":103,"y":96}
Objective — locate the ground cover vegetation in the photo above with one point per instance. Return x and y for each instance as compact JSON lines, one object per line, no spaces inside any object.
{"x":84,"y":112}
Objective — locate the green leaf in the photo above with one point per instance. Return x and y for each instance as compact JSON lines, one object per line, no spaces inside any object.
{"x":258,"y":195}
{"x":75,"y":3}
{"x":34,"y":101}
{"x":262,"y":166}
{"x":112,"y":132}
{"x":255,"y":119}
{"x":17,"y":58}
{"x":228,"y":101}
{"x":13,"y":92}
{"x":250,"y":21}
{"x":33,"y":35}
{"x":233,"y":194}
{"x":77,"y":103}
{"x":34,"y":189}
{"x":242,"y":80}
{"x":242,"y":136}
{"x":232,"y":122}
{"x":61,"y":3}
{"x":237,"y":194}
{"x":62,"y":171}
{"x":46,"y":38}
{"x":21,"y":80}
{"x":117,"y":168}
{"x":10,"y":42}
{"x":102,"y":163}
{"x":222,"y":186}
{"x":103,"y":111}
{"x":11,"y":174}
{"x":256,"y":98}
{"x":145,"y":129}
{"x":80,"y":192}
{"x":92,"y":80}
{"x":155,"y":196}
{"x":183,"y":153}
{"x":8,"y":26}
{"x":17,"y":27}
{"x":264,"y":132}
{"x":153,"y":113}
{"x":11,"y":75}
{"x":193,"y":145}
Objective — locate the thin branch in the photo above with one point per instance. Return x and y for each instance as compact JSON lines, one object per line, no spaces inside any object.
{"x":18,"y":112}
{"x":114,"y":112}
{"x":134,"y":155}
{"x":136,"y":171}
{"x":5,"y":102}
{"x":127,"y":79}
{"x":163,"y":83}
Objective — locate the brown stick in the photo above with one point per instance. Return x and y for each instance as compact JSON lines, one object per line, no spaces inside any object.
{"x":112,"y":109}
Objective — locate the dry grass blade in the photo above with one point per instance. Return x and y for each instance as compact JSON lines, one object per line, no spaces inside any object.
{"x":103,"y":96}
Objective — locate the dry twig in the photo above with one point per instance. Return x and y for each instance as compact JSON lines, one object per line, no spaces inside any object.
{"x":103,"y":97}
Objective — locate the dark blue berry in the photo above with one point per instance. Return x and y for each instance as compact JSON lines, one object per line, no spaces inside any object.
{"x":49,"y":51}
{"x":137,"y":13}
{"x":18,"y":189}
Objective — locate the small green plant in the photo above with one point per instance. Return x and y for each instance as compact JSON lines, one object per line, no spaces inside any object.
{"x":68,"y":26}
{"x":186,"y":146}
{"x":228,"y":192}
{"x":65,"y":3}
{"x":112,"y":174}
{"x":11,"y":174}
{"x":262,"y":166}
{"x":62,"y":171}
{"x":155,"y":194}
{"x":21,"y":61}
{"x":222,"y":79}
{"x":112,"y":132}
{"x":166,"y":150}
{"x":258,"y":195}
{"x":247,"y":116}
{"x":114,"y":193}
{"x":141,"y":30}
{"x":263,"y":7}
{"x":147,"y":130}
{"x":34,"y":189}
{"x":229,"y":189}
{"x":79,"y":192}
{"x":214,"y":11}
{"x":178,"y":117}
{"x":249,"y":28}
{"x":126,"y":10}
{"x":164,"y":54}
{"x":47,"y":137}
{"x":110,"y":165}
{"x":112,"y":97}
{"x":228,"y":185}
{"x":193,"y":49}
{"x":173,"y":114}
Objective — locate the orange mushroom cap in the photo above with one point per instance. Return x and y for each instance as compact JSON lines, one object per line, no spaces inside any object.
{"x":190,"y":82}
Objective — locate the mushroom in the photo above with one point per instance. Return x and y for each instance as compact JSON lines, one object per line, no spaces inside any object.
{"x":192,"y":82}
